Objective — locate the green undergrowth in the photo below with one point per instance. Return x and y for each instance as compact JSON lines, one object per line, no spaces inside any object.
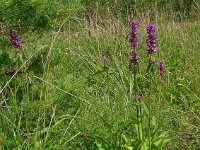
{"x":62,"y":97}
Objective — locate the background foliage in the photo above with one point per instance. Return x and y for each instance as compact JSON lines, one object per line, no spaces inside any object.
{"x":55,"y":92}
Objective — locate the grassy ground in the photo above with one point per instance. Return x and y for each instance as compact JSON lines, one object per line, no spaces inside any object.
{"x":63,"y":98}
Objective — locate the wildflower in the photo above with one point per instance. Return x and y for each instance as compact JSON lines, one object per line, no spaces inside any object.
{"x":133,"y":36}
{"x":161,"y":68}
{"x":15,"y":39}
{"x":134,"y":57}
{"x":151,"y":38}
{"x":152,"y":62}
{"x":134,"y":60}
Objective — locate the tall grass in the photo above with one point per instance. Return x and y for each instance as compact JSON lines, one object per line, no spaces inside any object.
{"x":61,"y":97}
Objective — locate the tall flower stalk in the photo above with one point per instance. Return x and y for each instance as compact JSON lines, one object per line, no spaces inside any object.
{"x":151,"y":41}
{"x":132,"y":38}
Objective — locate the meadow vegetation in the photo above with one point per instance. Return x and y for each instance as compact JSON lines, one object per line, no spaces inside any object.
{"x":66,"y":83}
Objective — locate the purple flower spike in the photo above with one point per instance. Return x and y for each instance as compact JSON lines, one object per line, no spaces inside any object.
{"x":161,"y":68}
{"x":133,"y":36}
{"x":134,"y":57}
{"x":15,"y":39}
{"x":151,"y":38}
{"x":134,"y":60}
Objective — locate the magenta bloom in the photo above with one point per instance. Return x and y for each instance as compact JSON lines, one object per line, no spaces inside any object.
{"x":161,"y":68}
{"x":133,"y":36}
{"x":15,"y":39}
{"x":152,"y":62}
{"x":151,"y":38}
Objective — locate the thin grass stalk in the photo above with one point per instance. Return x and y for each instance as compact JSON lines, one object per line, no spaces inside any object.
{"x":108,"y":88}
{"x":135,"y":98}
{"x":149,"y":108}
{"x":138,"y":108}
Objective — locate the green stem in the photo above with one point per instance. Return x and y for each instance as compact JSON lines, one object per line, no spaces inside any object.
{"x":138,"y":109}
{"x":149,"y":105}
{"x":107,"y":92}
{"x":140,"y":124}
{"x":135,"y":98}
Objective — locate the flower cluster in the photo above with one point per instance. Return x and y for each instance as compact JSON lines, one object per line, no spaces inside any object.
{"x":134,"y":60}
{"x":151,"y":38}
{"x":133,"y":36}
{"x":151,"y":41}
{"x":15,"y":39}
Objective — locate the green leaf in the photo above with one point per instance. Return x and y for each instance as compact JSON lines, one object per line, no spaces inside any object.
{"x":144,"y":106}
{"x":102,"y":144}
{"x":161,"y":140}
{"x":137,"y":144}
{"x":134,"y":120}
{"x":154,"y":124}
